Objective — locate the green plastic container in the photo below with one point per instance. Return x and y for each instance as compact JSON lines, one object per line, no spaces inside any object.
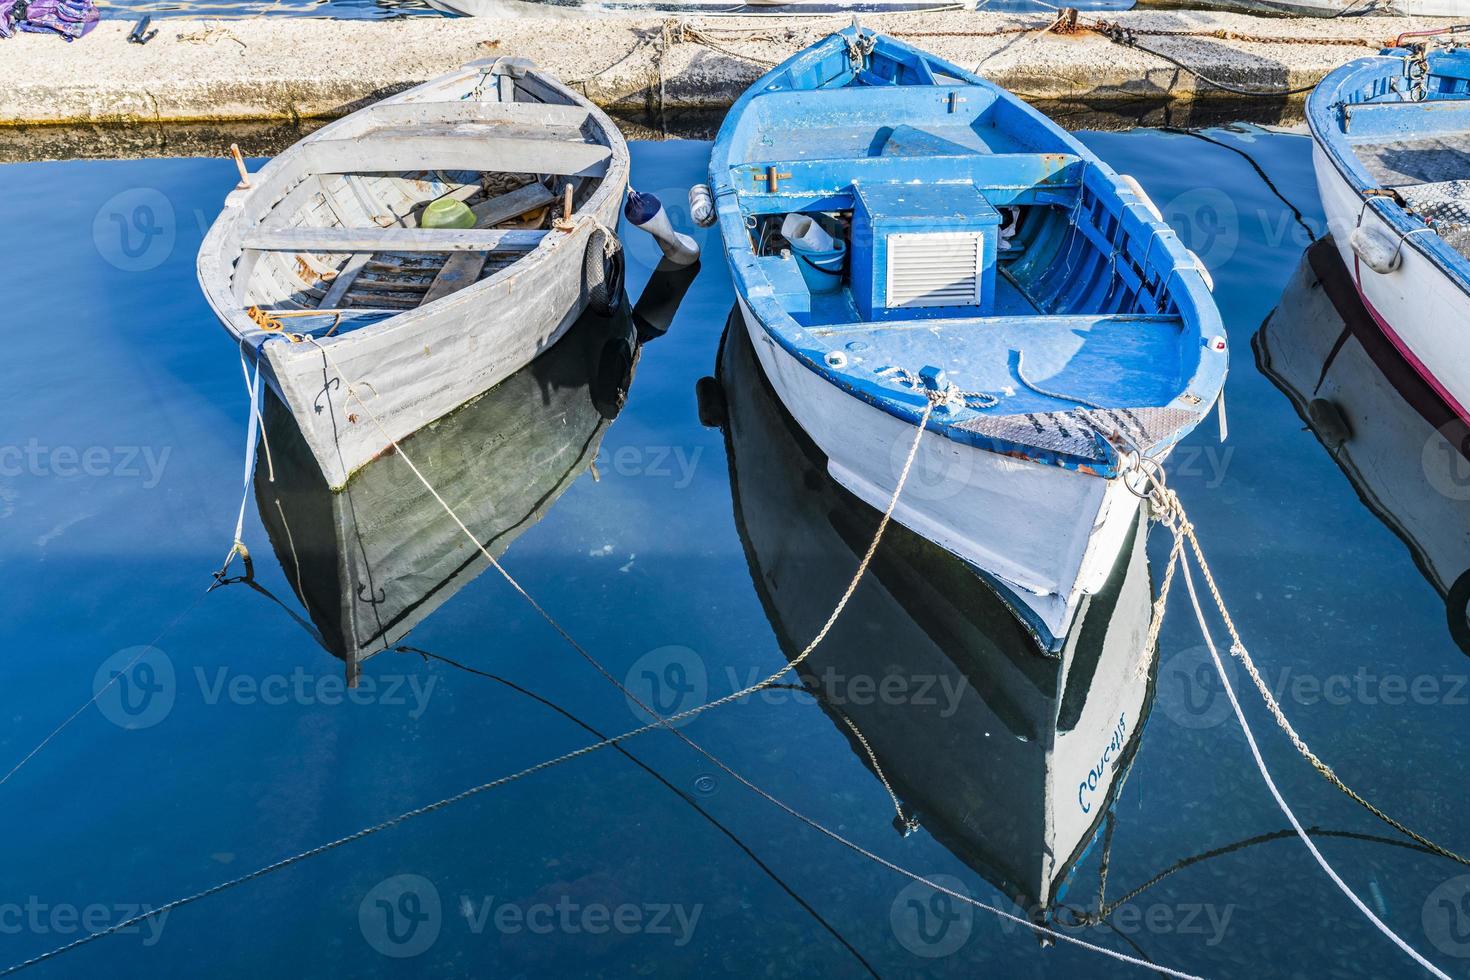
{"x":447,"y":213}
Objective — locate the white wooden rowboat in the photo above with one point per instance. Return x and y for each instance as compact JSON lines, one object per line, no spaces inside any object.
{"x":370,"y":327}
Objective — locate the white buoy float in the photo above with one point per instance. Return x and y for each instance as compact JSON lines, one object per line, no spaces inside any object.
{"x":701,"y":205}
{"x":646,"y":211}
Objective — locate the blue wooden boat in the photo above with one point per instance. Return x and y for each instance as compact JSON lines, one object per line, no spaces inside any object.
{"x":1392,"y":155}
{"x":980,"y":254}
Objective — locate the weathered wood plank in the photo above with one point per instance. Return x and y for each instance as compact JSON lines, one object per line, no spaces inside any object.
{"x":343,"y":282}
{"x":564,"y":118}
{"x":391,"y":240}
{"x":412,"y":152}
{"x":464,"y":268}
{"x":512,"y":204}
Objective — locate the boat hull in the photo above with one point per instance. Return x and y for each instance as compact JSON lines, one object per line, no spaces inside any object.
{"x":1047,"y":536}
{"x":354,"y":398}
{"x":1414,"y":304}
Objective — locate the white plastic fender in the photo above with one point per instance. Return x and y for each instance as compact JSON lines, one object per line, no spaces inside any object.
{"x":645,"y":211}
{"x":702,"y":205}
{"x":1377,"y":250}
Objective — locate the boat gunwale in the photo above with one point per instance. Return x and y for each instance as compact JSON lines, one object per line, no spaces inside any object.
{"x":1202,"y":319}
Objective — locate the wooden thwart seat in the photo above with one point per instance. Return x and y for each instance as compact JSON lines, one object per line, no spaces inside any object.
{"x":391,"y":240}
{"x":1004,"y":178}
{"x":522,"y":154}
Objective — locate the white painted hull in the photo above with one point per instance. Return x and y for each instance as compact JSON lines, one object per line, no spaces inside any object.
{"x":415,"y":369}
{"x":1048,"y":534}
{"x":1419,"y":308}
{"x":1011,"y":764}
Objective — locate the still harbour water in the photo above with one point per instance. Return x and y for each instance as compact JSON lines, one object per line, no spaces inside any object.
{"x":691,"y":562}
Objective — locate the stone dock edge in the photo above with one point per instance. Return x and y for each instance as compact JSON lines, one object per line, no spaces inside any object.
{"x":286,"y":69}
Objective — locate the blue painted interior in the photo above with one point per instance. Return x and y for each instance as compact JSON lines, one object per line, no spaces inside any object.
{"x":1389,"y":97}
{"x":1092,"y":292}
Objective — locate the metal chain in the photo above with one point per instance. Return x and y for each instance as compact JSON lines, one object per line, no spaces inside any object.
{"x":1179,"y":524}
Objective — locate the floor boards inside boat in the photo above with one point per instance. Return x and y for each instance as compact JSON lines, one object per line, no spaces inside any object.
{"x":1429,"y":175}
{"x":1421,"y":161}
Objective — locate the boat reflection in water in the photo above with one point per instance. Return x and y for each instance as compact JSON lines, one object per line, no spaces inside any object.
{"x":373,"y":561}
{"x":1007,"y":757}
{"x":1406,"y":453}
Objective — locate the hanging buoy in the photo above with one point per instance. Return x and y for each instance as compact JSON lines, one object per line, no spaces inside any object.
{"x":647,"y":212}
{"x":701,"y":205}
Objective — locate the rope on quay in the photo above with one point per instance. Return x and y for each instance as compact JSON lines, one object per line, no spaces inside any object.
{"x":1127,"y":38}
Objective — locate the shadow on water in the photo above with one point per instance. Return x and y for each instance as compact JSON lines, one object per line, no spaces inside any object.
{"x":1102,"y":111}
{"x":1405,"y":452}
{"x":1009,"y":759}
{"x":370,"y":563}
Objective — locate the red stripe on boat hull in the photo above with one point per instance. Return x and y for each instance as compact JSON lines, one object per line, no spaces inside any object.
{"x":1408,"y":355}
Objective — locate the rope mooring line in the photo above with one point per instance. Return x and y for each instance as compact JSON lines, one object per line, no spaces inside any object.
{"x":1260,"y":172}
{"x":256,"y":422}
{"x":908,"y":822}
{"x":1106,"y":909}
{"x":1171,"y":514}
{"x":663,"y":781}
{"x":116,"y":676}
{"x":1281,"y":803}
{"x":1182,"y":527}
{"x":661,"y":723}
{"x":669,"y":723}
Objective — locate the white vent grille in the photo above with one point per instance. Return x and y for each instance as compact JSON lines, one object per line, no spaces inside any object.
{"x":930,"y":269}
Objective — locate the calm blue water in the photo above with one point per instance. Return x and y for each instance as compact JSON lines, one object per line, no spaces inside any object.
{"x":122,"y":433}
